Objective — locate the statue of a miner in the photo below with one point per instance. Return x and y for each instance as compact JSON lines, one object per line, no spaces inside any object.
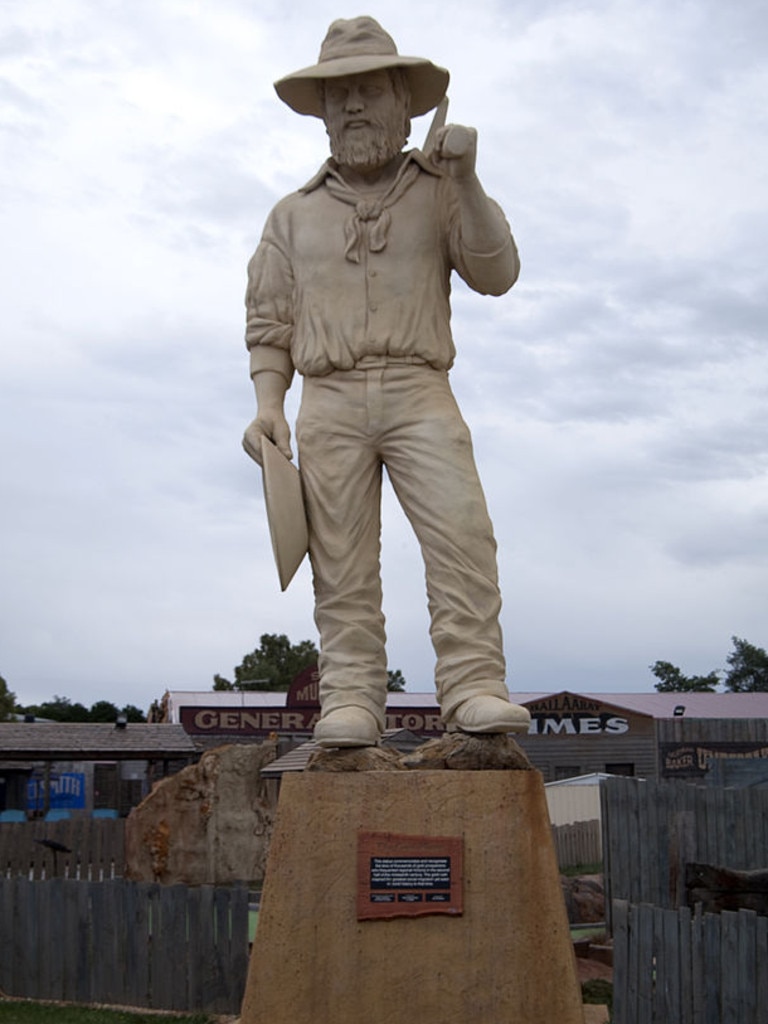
{"x":350,"y":286}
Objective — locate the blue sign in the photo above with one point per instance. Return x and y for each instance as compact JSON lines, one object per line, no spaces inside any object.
{"x":67,"y":791}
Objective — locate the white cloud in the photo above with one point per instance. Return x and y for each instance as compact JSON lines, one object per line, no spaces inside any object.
{"x":616,"y":396}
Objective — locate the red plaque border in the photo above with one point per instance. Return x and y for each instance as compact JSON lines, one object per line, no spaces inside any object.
{"x":428,"y":854}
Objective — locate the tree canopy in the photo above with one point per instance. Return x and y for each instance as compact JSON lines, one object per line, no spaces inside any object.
{"x":62,"y":709}
{"x":7,"y":702}
{"x":395,"y":681}
{"x":276,"y":662}
{"x":672,"y":680}
{"x":273,"y":665}
{"x":747,"y":673}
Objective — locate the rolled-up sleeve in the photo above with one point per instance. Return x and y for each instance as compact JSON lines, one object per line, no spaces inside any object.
{"x":492,"y":273}
{"x":269,"y":309}
{"x":489,"y":273}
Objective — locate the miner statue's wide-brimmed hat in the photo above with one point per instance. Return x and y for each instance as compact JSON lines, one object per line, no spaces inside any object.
{"x":353,"y":47}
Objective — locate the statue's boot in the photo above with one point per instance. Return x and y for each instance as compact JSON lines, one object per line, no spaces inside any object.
{"x":348,"y":726}
{"x":488,"y":714}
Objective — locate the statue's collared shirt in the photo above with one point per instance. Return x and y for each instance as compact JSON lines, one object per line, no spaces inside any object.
{"x":339,"y":277}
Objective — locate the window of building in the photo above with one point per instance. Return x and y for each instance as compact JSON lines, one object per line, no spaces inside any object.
{"x":564,"y":771}
{"x":620,"y":768}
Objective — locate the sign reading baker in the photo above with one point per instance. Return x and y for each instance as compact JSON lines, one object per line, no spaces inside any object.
{"x":570,"y":714}
{"x":693,"y":760}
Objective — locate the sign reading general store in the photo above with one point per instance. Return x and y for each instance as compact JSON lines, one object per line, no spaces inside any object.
{"x":262,"y":721}
{"x":298,"y":715}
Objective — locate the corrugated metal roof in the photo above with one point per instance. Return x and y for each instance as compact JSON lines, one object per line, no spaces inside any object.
{"x":296,"y":760}
{"x":592,"y":779}
{"x":696,"y":705}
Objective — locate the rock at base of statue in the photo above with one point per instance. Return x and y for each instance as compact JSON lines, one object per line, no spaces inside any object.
{"x":456,"y":751}
{"x":210,"y":823}
{"x":412,"y":895}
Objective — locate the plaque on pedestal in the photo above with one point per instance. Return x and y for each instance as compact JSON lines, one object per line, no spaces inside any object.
{"x":408,"y":876}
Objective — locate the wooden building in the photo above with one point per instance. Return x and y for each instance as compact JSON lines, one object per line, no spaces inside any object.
{"x":86,"y":766}
{"x":648,"y":735}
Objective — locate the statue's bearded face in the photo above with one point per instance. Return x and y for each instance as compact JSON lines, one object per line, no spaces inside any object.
{"x":366,"y":117}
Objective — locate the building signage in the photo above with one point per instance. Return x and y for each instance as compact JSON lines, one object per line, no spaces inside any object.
{"x":681,"y":760}
{"x":299,"y":714}
{"x":577,"y":725}
{"x":408,"y":876}
{"x":255,"y":721}
{"x":67,"y":791}
{"x":568,"y":714}
{"x":247,"y":721}
{"x":562,"y":714}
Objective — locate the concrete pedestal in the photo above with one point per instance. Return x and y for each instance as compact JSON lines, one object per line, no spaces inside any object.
{"x":507,"y":959}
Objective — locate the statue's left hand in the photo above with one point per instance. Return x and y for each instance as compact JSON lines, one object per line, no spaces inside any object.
{"x":455,"y":151}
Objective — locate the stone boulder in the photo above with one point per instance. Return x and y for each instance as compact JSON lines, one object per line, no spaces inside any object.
{"x":584,"y":898}
{"x":210,"y":823}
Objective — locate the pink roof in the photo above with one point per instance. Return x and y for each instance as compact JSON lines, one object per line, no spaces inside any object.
{"x":697,"y":705}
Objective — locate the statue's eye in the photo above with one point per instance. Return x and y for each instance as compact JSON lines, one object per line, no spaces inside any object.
{"x":335,"y":93}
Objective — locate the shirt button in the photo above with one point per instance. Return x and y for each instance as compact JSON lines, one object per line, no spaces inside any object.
{"x":373,"y":307}
{"x":371,"y":273}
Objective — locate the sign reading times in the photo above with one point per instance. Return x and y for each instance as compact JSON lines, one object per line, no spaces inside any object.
{"x":408,"y":876}
{"x":569,"y":714}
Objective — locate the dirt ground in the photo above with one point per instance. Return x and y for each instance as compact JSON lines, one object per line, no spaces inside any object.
{"x":594,"y":1014}
{"x":589,"y":969}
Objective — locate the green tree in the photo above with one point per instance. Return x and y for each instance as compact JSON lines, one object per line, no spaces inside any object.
{"x":7,"y":702}
{"x":395,"y":681}
{"x":672,"y":680}
{"x":748,"y":668}
{"x":133,"y":714}
{"x":59,"y":709}
{"x":103,"y":711}
{"x":62,"y":709}
{"x":272,"y":666}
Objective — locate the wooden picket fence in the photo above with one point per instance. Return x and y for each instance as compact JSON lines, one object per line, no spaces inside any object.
{"x":84,"y":848}
{"x":678,"y":967}
{"x":578,"y":843}
{"x":124,"y":943}
{"x":651,"y":830}
{"x":94,"y":849}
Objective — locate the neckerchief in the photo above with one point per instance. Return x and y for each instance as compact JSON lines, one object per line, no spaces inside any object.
{"x":370,"y":221}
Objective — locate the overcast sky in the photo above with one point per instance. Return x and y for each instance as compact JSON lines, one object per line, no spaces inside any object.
{"x":618,"y":395}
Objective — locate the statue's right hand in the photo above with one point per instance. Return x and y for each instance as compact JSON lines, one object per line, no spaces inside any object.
{"x":272,"y":426}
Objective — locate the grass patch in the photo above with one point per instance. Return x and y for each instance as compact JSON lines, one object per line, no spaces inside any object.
{"x":585,"y":931}
{"x":597,"y":990}
{"x":30,"y":1012}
